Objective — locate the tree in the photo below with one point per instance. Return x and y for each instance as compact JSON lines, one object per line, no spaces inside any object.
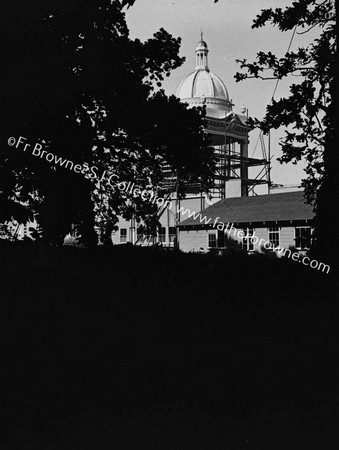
{"x":167,"y":134}
{"x":309,"y":112}
{"x":75,"y":83}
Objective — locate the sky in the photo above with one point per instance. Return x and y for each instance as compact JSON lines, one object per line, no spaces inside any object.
{"x":227,"y":31}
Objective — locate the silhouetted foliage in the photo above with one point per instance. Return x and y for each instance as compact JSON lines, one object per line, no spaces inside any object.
{"x":75,"y":82}
{"x":309,"y":111}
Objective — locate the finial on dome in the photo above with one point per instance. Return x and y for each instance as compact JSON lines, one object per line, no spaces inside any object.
{"x":201,"y":35}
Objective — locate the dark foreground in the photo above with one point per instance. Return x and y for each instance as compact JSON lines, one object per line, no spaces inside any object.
{"x":137,"y":349}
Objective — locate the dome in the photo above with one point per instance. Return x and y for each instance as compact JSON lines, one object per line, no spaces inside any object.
{"x":203,"y":87}
{"x":201,"y":45}
{"x":202,"y":83}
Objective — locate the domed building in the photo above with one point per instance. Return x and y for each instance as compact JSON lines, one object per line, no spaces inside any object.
{"x":229,"y":137}
{"x":228,"y":130}
{"x":203,"y":87}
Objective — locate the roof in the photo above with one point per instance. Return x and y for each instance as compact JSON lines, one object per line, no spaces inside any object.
{"x":202,"y":83}
{"x":288,"y":206}
{"x":202,"y":44}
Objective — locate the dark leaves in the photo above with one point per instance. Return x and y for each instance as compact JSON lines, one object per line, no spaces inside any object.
{"x":74,"y":80}
{"x":127,"y":3}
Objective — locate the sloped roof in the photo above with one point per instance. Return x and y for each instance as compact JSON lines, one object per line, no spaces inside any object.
{"x":262,"y":208}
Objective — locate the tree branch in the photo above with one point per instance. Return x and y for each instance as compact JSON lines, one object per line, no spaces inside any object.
{"x":319,"y":123}
{"x":263,"y":78}
{"x":321,"y":4}
{"x":304,"y":32}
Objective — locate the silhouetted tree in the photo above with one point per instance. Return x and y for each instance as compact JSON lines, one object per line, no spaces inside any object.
{"x":76,"y":83}
{"x":309,"y":111}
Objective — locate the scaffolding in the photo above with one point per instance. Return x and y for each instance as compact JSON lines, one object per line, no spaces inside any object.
{"x":232,"y":163}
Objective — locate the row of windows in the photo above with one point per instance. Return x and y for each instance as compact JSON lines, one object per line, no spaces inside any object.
{"x":217,"y":239}
{"x":143,"y":237}
{"x":302,"y":238}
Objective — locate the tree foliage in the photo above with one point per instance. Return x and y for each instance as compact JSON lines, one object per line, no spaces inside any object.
{"x":75,"y":82}
{"x":308,"y":112}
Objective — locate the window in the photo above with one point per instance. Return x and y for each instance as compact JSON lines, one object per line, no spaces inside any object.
{"x":220,"y":239}
{"x":247,"y":243}
{"x":303,"y":238}
{"x":140,"y":233}
{"x":274,"y":236}
{"x":212,"y":240}
{"x":162,"y":234}
{"x":123,"y":235}
{"x":172,"y":234}
{"x":216,"y":239}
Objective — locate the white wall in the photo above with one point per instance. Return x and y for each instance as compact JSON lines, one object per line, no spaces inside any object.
{"x":193,"y":240}
{"x":261,"y":233}
{"x":233,"y":188}
{"x":287,"y":235}
{"x":168,"y":219}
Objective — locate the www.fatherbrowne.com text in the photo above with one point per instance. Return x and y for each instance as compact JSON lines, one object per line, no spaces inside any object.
{"x":150,"y":196}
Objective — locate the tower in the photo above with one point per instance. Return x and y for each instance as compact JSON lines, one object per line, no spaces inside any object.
{"x":228,"y":131}
{"x":229,"y":137}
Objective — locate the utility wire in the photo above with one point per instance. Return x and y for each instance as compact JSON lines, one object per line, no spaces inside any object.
{"x":289,"y":46}
{"x":277,"y":83}
{"x":255,"y":147}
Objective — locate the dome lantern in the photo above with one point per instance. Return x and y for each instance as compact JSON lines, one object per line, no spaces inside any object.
{"x":201,"y":54}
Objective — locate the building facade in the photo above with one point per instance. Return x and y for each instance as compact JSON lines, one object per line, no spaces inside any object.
{"x":284,"y":220}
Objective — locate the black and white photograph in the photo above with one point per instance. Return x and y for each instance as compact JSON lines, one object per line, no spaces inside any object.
{"x":169,"y":261}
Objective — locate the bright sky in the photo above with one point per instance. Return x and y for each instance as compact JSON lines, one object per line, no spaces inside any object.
{"x":227,"y":30}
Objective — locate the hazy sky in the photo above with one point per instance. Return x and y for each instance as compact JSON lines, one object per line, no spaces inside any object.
{"x":227,"y":31}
